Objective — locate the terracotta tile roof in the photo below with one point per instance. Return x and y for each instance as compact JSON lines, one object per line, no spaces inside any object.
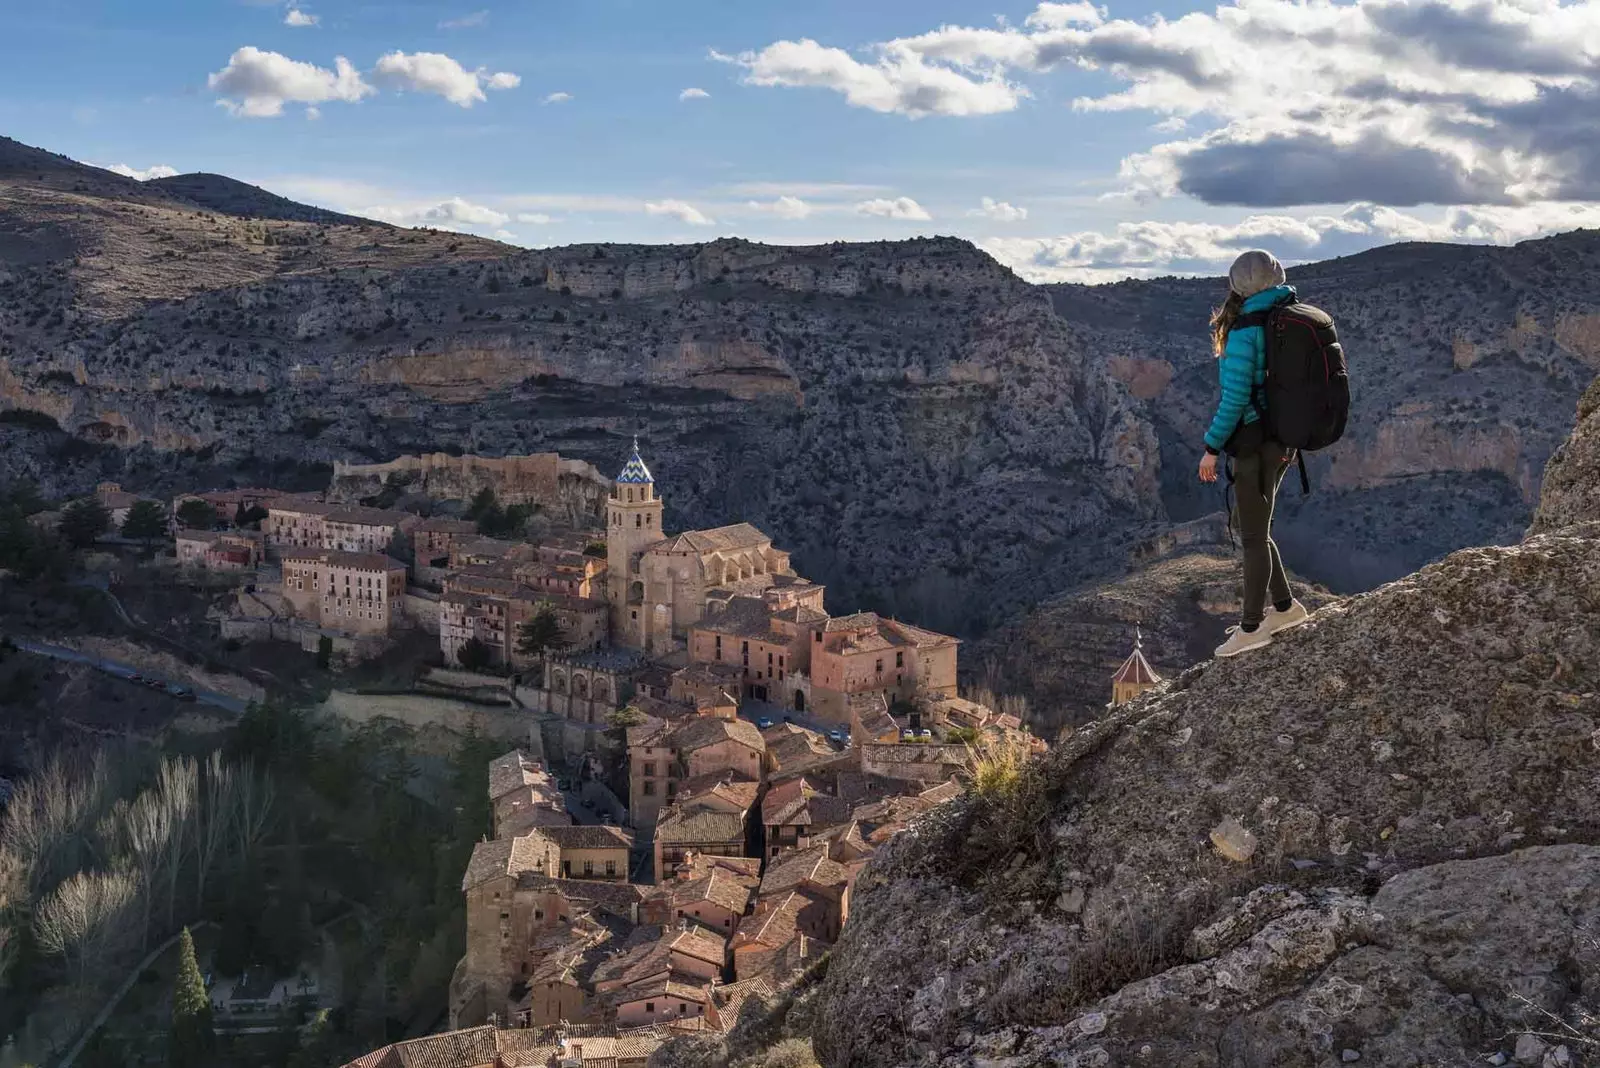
{"x":507,"y":856}
{"x":946,"y":791}
{"x":514,"y":769}
{"x":454,"y":1049}
{"x":732,"y":538}
{"x":446,"y":525}
{"x":588,"y":836}
{"x":699,"y":943}
{"x":339,"y":558}
{"x":801,"y":614}
{"x":721,"y":887}
{"x":859,"y":621}
{"x":298,"y":506}
{"x":920,"y":637}
{"x":806,"y":865}
{"x":705,"y":826}
{"x":776,"y":923}
{"x":637,"y":1045}
{"x":664,"y":985}
{"x":356,"y":515}
{"x":701,"y":731}
{"x":795,"y":747}
{"x":729,"y":786}
{"x":619,"y":899}
{"x":744,"y":617}
{"x":736,"y":1000}
{"x":745,"y":871}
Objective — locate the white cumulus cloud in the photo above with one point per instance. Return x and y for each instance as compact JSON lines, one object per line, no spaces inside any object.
{"x":784,"y":207}
{"x":454,"y":213}
{"x":999,"y":211}
{"x":681,"y":210}
{"x":257,"y":83}
{"x":535,"y":218}
{"x":160,"y":170}
{"x":437,"y":73}
{"x":1144,"y":249}
{"x":897,"y":80}
{"x":692,"y":93}
{"x":1400,"y":102}
{"x":894,"y":208}
{"x":556,"y":98}
{"x":296,"y":17}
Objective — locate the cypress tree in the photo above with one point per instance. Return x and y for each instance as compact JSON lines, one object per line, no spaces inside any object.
{"x":192,"y":1037}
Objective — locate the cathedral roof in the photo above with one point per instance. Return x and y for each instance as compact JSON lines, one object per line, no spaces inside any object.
{"x":635,"y":472}
{"x":1136,"y":669}
{"x":721,"y":539}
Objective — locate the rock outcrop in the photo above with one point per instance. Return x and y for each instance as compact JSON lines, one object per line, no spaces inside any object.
{"x":1380,"y":834}
{"x":1572,"y":481}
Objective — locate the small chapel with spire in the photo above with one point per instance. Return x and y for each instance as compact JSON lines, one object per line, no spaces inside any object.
{"x":1135,"y":676}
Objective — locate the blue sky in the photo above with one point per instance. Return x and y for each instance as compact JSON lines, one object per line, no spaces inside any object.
{"x":1071,"y":141}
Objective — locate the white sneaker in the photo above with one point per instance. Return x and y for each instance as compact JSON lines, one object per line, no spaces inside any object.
{"x":1295,"y":615}
{"x":1240,"y":641}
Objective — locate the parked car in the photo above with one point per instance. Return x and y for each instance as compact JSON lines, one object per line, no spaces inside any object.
{"x":182,"y":693}
{"x":925,"y":734}
{"x":764,"y":723}
{"x":135,"y":677}
{"x":837,"y":735}
{"x":155,"y":684}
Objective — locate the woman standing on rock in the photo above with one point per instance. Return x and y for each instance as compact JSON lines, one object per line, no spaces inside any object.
{"x":1256,"y":285}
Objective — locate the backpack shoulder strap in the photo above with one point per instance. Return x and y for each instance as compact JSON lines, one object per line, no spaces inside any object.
{"x":1255,"y":318}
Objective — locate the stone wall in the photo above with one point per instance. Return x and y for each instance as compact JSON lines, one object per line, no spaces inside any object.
{"x":572,"y":487}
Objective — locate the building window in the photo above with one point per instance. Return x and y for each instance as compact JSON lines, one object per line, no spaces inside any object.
{"x":611,"y":867}
{"x":650,"y":769}
{"x":588,"y":867}
{"x":649,"y":1006}
{"x":649,"y":788}
{"x":638,"y":521}
{"x":880,"y":665}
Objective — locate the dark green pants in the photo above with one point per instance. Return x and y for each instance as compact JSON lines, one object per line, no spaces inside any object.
{"x":1257,"y":473}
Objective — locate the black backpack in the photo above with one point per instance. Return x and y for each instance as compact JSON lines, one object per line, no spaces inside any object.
{"x":1305,"y":400}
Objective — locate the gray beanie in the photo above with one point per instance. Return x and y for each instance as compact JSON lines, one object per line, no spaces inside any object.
{"x":1254,"y":271}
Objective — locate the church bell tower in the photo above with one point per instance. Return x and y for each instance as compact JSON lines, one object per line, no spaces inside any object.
{"x":633,"y":521}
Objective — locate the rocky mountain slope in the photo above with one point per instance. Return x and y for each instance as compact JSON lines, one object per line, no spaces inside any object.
{"x":1465,"y":361}
{"x":931,"y":436}
{"x":1379,"y":835}
{"x":910,"y":419}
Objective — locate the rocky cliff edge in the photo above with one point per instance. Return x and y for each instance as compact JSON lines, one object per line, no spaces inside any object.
{"x":1377,"y":840}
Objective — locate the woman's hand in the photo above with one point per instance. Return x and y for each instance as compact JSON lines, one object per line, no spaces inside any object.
{"x":1208,"y":467}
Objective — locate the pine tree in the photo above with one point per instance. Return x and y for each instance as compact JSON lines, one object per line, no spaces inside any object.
{"x":192,"y":1037}
{"x":542,"y":632}
{"x":146,"y":521}
{"x":82,"y":522}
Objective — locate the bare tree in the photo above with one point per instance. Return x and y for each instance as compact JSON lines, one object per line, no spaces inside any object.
{"x":210,"y":826}
{"x":85,"y":921}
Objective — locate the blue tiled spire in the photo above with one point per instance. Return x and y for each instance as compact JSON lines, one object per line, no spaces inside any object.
{"x":635,"y":473}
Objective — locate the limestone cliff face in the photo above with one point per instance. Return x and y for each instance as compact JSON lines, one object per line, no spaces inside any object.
{"x":1380,"y":834}
{"x":908,"y":418}
{"x":1464,"y":363}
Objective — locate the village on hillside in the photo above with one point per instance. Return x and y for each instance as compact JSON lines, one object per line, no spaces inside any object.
{"x":727,"y":754}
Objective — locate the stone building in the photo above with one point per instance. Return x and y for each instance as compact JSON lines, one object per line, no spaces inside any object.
{"x":1135,"y":676}
{"x":768,"y":638}
{"x":218,"y":550}
{"x":433,"y":539}
{"x":295,"y":522}
{"x":524,"y":795}
{"x":865,"y":653}
{"x":479,"y":603}
{"x":119,"y":502}
{"x":352,"y":593}
{"x":584,"y":687}
{"x":662,"y":756}
{"x":659,"y":586}
{"x":591,"y":852}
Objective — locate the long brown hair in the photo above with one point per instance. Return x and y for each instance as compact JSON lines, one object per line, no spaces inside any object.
{"x":1222,"y":321}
